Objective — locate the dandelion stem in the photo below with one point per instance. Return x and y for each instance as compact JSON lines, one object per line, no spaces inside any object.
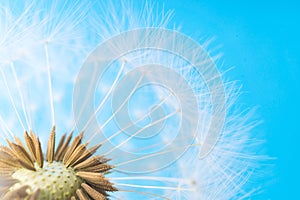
{"x":5,"y":129}
{"x":155,"y":154}
{"x":20,"y":95}
{"x":50,"y":84}
{"x":152,"y":178}
{"x":135,"y":122}
{"x":119,"y":108}
{"x":12,"y":99}
{"x":142,"y":129}
{"x":144,"y":193}
{"x":155,"y":187}
{"x":106,"y":96}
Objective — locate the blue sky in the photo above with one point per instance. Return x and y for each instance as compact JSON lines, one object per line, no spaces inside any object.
{"x":261,"y":41}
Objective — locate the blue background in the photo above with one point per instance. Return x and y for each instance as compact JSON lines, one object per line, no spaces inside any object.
{"x":261,"y":41}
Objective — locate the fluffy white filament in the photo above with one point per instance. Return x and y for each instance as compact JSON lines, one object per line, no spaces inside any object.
{"x":42,"y":47}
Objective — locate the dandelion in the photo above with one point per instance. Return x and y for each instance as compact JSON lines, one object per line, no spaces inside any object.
{"x":65,"y":172}
{"x":150,"y":115}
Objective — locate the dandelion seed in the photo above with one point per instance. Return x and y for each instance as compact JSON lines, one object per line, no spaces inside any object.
{"x":72,"y":171}
{"x":146,"y":96}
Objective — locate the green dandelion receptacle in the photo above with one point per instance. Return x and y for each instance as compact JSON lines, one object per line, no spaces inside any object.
{"x":69,"y":172}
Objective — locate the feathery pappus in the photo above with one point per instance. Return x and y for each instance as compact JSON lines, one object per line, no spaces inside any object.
{"x":150,"y":113}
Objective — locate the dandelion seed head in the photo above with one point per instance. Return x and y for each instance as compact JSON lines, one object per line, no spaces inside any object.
{"x":46,"y":180}
{"x":152,"y":97}
{"x":70,"y":171}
